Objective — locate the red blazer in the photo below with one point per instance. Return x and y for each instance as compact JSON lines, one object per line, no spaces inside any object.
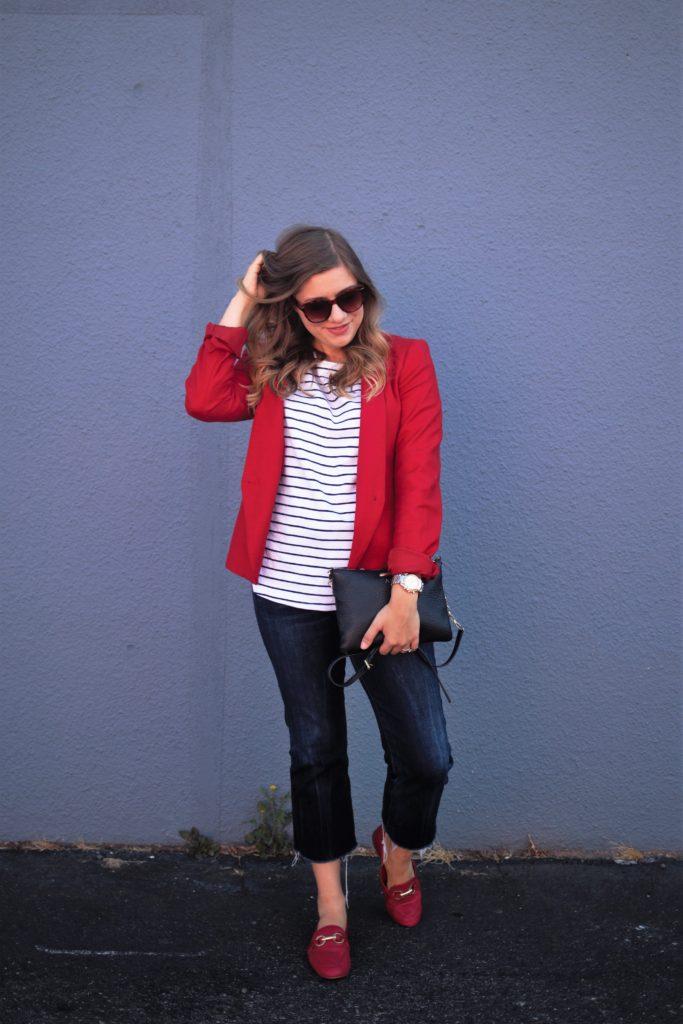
{"x":398,"y":495}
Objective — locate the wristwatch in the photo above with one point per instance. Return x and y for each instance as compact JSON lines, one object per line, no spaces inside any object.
{"x":410,"y":581}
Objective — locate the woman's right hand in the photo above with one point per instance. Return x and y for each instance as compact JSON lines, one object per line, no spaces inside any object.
{"x":251,"y":278}
{"x":242,"y":302}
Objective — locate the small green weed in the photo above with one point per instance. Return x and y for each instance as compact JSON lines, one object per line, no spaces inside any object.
{"x":199,"y":845}
{"x":269,"y":834}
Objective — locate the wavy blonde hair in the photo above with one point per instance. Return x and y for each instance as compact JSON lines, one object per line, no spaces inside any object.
{"x":280,"y":348}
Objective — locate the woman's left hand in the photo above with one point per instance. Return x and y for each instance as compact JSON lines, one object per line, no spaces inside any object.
{"x":399,"y":621}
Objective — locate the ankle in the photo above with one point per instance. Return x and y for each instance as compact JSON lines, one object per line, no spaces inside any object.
{"x":399,"y":866}
{"x":397,"y":855}
{"x":332,"y":914}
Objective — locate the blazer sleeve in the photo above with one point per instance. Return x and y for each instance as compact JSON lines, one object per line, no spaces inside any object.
{"x":216,"y":387}
{"x":417,"y":466}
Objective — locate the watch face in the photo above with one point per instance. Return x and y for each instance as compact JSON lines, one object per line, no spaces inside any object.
{"x":413,"y":581}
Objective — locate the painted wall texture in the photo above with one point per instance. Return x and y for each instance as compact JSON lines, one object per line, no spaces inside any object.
{"x":510,"y":175}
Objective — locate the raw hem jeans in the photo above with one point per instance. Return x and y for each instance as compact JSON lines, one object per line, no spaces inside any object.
{"x":406,"y":699}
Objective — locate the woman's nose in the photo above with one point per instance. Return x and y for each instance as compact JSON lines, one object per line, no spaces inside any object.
{"x":336,"y":314}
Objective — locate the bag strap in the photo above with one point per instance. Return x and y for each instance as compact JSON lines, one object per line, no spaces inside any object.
{"x":459,"y":630}
{"x":369,"y":657}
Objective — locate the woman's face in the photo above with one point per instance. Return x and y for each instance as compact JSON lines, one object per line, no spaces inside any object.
{"x":335,"y":333}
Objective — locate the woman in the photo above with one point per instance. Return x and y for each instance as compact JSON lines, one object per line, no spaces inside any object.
{"x":342,"y":469}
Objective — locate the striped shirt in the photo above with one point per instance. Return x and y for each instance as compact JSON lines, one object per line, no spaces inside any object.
{"x":311,"y":528}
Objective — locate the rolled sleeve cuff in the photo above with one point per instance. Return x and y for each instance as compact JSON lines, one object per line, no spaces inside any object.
{"x":407,"y":560}
{"x":232,"y":338}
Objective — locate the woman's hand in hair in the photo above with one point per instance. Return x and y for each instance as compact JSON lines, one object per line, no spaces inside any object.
{"x":251,"y":282}
{"x":399,"y":621}
{"x":249,"y":291}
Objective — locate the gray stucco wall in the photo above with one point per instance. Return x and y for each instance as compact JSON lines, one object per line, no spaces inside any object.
{"x":510,"y":174}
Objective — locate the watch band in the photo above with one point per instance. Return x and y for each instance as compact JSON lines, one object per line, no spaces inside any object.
{"x":409,"y":581}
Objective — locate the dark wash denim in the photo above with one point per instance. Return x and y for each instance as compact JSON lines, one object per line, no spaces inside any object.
{"x":406,"y":699}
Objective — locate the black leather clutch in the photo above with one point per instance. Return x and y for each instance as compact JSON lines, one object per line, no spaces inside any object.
{"x":360,"y":593}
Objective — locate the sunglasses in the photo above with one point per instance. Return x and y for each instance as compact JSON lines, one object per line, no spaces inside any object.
{"x":318,"y":310}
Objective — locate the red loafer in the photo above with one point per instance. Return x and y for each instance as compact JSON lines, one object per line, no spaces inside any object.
{"x":329,"y":953}
{"x":403,"y":902}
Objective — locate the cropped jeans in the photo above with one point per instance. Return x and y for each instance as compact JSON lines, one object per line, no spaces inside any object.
{"x":406,"y":700}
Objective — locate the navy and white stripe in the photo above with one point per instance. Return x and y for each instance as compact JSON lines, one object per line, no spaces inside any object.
{"x":311,"y":528}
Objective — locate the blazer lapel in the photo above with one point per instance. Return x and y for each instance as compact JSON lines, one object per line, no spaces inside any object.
{"x":262,"y":470}
{"x":370,"y":482}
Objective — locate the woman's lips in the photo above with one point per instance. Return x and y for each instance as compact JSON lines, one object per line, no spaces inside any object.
{"x":339,"y":330}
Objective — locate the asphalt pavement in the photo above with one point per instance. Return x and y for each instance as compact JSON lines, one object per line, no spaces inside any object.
{"x":111,"y":937}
